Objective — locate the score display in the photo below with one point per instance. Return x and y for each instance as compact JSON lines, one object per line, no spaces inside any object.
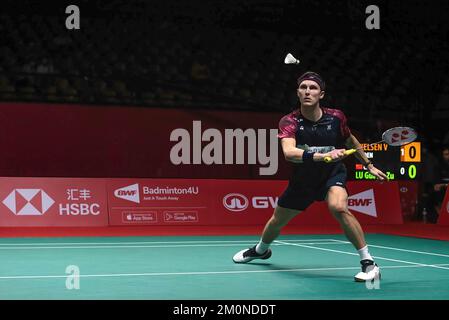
{"x":398,"y":163}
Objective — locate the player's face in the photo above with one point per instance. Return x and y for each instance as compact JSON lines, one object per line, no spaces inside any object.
{"x":309,"y":93}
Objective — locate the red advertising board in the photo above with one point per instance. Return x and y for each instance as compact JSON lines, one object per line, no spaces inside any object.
{"x":370,"y":202}
{"x":443,"y":218}
{"x":97,"y":135}
{"x":236,"y":202}
{"x":245,"y":202}
{"x":102,"y":202}
{"x":160,"y":201}
{"x":408,"y":193}
{"x":53,"y":202}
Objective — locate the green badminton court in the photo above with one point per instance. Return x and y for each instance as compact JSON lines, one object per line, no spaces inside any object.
{"x":318,"y":267}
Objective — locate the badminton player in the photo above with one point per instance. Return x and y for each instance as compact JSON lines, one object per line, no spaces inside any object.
{"x":308,"y":135}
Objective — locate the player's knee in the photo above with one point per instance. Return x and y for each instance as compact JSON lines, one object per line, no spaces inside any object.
{"x":339,"y":210}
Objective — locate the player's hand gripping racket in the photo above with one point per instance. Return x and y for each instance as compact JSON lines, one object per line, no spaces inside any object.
{"x":395,"y":137}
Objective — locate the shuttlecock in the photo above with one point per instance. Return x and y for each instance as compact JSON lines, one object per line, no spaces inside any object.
{"x":290,"y":59}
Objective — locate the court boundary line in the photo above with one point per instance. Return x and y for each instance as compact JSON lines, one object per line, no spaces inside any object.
{"x":149,"y":246}
{"x":156,"y":242}
{"x":194,"y":243}
{"x":148,"y":274}
{"x":356,"y":254}
{"x":400,"y":249}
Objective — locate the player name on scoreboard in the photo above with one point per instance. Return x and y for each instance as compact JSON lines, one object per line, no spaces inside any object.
{"x":398,"y":163}
{"x":375,"y":147}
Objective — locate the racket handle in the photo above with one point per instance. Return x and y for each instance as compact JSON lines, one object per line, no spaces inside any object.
{"x":347,"y":153}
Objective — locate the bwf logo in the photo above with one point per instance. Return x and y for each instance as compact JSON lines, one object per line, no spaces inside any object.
{"x":189,"y":150}
{"x":28,"y":202}
{"x":363,"y":202}
{"x":129,"y":193}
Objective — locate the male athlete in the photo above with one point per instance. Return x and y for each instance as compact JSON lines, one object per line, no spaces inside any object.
{"x":308,"y":135}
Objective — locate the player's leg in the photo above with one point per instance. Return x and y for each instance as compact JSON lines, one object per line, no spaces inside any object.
{"x":280,"y":218}
{"x":337,"y":201}
{"x":273,"y":227}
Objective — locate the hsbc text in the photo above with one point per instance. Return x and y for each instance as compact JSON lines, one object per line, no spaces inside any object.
{"x":82,"y":209}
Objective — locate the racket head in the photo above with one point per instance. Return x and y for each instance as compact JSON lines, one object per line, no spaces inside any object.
{"x":399,"y":136}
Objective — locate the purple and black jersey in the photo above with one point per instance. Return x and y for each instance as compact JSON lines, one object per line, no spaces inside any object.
{"x":328,"y":133}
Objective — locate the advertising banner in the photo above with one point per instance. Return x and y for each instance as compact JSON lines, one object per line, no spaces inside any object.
{"x":160,"y":201}
{"x":53,"y":202}
{"x":180,"y":202}
{"x":117,"y":141}
{"x":245,"y":202}
{"x":370,"y":202}
{"x":252,"y":202}
{"x":408,"y":193}
{"x":236,"y":202}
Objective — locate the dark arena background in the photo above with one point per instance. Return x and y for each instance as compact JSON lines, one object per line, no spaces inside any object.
{"x":140,"y":151}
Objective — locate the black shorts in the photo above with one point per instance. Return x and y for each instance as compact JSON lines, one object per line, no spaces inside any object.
{"x":298,"y":197}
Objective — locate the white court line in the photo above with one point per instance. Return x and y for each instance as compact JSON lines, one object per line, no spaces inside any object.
{"x":405,"y":250}
{"x":152,"y":274}
{"x":356,"y":254}
{"x":157,"y":246}
{"x":153,"y":242}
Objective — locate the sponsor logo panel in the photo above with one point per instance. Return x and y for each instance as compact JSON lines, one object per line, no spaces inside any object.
{"x":53,"y":202}
{"x":363,"y":202}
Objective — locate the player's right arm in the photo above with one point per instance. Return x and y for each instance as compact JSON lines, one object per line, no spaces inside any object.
{"x":291,"y":153}
{"x":294,"y":154}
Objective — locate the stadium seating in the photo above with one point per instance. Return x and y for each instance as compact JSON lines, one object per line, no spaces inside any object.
{"x":142,"y":61}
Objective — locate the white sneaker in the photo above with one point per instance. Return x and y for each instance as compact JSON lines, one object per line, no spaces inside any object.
{"x":370,"y":271}
{"x":247,"y":255}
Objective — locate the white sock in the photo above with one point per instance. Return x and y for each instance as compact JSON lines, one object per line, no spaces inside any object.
{"x":262,"y":247}
{"x":364,"y":254}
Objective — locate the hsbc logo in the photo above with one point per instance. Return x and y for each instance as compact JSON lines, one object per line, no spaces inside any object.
{"x":237,"y":202}
{"x":363,"y":202}
{"x":129,"y":193}
{"x":28,"y":202}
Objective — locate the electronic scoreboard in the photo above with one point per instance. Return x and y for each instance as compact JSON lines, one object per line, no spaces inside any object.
{"x":398,"y":163}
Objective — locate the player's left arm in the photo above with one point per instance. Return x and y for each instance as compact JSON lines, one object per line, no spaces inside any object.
{"x":352,"y":143}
